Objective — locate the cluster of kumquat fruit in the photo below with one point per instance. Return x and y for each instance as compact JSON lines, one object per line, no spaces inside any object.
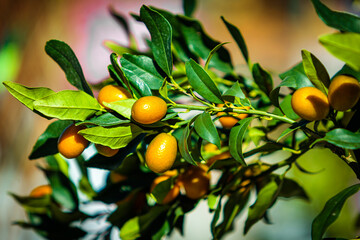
{"x":176,"y":125}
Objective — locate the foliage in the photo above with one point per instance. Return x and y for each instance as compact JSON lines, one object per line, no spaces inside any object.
{"x":185,"y":64}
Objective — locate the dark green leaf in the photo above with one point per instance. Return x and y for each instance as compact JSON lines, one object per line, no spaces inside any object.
{"x":206,"y":129}
{"x":105,"y":120}
{"x":185,"y":143}
{"x":115,"y":137}
{"x":68,"y":105}
{"x":262,"y":78}
{"x":265,"y":199}
{"x":346,"y":70}
{"x":120,"y":19}
{"x":331,"y":212}
{"x":27,"y":95}
{"x":65,"y":57}
{"x":64,"y":191}
{"x":290,"y":188}
{"x":161,"y":35}
{"x":162,"y":189}
{"x":339,"y":20}
{"x":237,"y":134}
{"x":143,"y":68}
{"x":34,"y":205}
{"x":200,"y":44}
{"x":189,"y":7}
{"x":344,"y":46}
{"x":236,"y":34}
{"x":315,"y":71}
{"x":117,"y":74}
{"x":47,"y":142}
{"x":342,"y":138}
{"x":211,"y":54}
{"x":202,"y":83}
{"x":264,"y":149}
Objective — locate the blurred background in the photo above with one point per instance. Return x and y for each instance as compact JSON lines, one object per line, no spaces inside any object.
{"x":275,"y":32}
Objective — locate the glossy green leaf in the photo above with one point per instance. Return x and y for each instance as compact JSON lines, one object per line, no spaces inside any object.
{"x":262,"y":78}
{"x":47,"y":142}
{"x":265,"y":199}
{"x":237,"y":135}
{"x":185,"y":143}
{"x":315,"y":71}
{"x":65,"y":57}
{"x":143,"y":68}
{"x":68,"y":105}
{"x":206,"y":129}
{"x":105,"y":120}
{"x":211,"y":54}
{"x":331,"y":211}
{"x":200,"y":44}
{"x":235,"y":91}
{"x":237,"y":36}
{"x":64,"y":191}
{"x":115,"y":137}
{"x":344,"y":46}
{"x":27,"y":95}
{"x":342,"y":138}
{"x":122,"y":107}
{"x":189,"y":7}
{"x":202,"y":83}
{"x":161,"y":35}
{"x":342,"y":21}
{"x":293,"y":79}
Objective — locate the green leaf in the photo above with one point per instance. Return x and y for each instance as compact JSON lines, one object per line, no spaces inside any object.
{"x":161,"y":34}
{"x":265,"y":199}
{"x":236,"y":34}
{"x":189,"y":7}
{"x":202,"y":83}
{"x":64,"y":191}
{"x":65,"y":57}
{"x":117,"y":74}
{"x":342,"y":138}
{"x":331,"y":212}
{"x":235,"y":91}
{"x":315,"y":71}
{"x":294,"y":78}
{"x":292,"y":128}
{"x":68,"y":105}
{"x":256,"y":134}
{"x":105,"y":120}
{"x":34,"y":205}
{"x":162,"y":189}
{"x":262,"y":78}
{"x":27,"y":95}
{"x":339,"y":20}
{"x":131,"y":229}
{"x":344,"y":46}
{"x":115,"y":137}
{"x":211,"y":54}
{"x":119,"y":49}
{"x":237,"y":134}
{"x":185,"y":143}
{"x":47,"y":142}
{"x":141,"y":68}
{"x":290,"y":189}
{"x":206,"y":129}
{"x":200,"y":44}
{"x":122,"y":107}
{"x":287,"y":109}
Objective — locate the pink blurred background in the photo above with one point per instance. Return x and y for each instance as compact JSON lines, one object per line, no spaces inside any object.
{"x":275,"y":31}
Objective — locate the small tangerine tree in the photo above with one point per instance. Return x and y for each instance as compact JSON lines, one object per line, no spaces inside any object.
{"x":160,"y":163}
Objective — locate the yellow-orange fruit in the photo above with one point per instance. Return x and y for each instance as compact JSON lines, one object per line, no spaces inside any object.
{"x":196,"y":182}
{"x":221,"y":156}
{"x":112,"y":93}
{"x":105,"y":150}
{"x":41,"y":191}
{"x":310,"y":103}
{"x":232,"y":118}
{"x":70,"y":143}
{"x":148,"y":110}
{"x":161,"y":153}
{"x":172,"y":194}
{"x":344,"y":92}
